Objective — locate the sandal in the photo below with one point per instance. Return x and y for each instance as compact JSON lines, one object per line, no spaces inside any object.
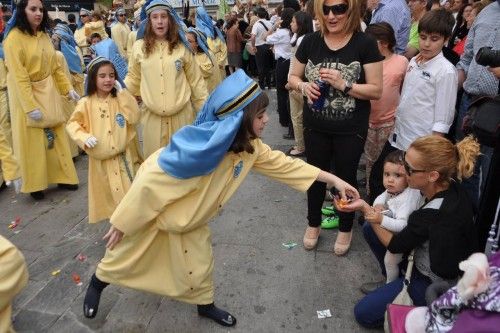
{"x":330,"y":222}
{"x":294,"y":152}
{"x":342,"y":243}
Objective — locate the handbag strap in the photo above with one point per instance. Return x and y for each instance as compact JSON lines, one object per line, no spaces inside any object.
{"x":409,"y":268}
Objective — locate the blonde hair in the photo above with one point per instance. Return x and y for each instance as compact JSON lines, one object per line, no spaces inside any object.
{"x":450,"y":160}
{"x":353,"y":23}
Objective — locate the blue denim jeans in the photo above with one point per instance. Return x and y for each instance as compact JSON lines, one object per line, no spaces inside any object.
{"x":369,"y":311}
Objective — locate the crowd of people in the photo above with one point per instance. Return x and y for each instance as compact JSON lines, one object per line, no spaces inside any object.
{"x":170,"y":112}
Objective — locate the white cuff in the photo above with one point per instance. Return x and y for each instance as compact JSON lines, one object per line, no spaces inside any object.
{"x":441,"y":127}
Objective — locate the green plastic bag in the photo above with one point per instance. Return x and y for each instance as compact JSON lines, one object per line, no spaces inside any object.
{"x":245,"y":55}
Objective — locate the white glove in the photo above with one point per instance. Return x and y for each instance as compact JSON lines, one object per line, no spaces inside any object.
{"x":73,"y":95}
{"x":91,"y":142}
{"x":118,"y":86}
{"x":18,"y":183}
{"x":36,"y":115}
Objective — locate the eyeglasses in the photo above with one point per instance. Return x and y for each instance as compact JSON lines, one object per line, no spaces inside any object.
{"x":409,"y":170}
{"x":335,"y":9}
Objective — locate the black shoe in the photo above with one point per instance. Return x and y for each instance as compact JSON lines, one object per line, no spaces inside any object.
{"x":289,"y":136}
{"x":369,"y":287}
{"x":38,"y":195}
{"x":69,"y":187}
{"x":220,"y":316}
{"x":3,"y":186}
{"x":93,"y":297}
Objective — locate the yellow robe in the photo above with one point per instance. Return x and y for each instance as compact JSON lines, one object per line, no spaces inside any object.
{"x":8,"y":163}
{"x":132,"y":36}
{"x":81,"y":40}
{"x":4,"y":114}
{"x":219,"y":48}
{"x":108,"y":176}
{"x":32,"y":59}
{"x":167,"y":246}
{"x":68,"y":104}
{"x":170,"y":85}
{"x":210,"y":73}
{"x":13,"y":278}
{"x":95,"y":27}
{"x":119,"y":34}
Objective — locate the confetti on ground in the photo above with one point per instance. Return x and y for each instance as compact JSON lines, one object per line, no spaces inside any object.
{"x":56,"y":272}
{"x":15,"y":223}
{"x":17,"y":231}
{"x":77,"y":279}
{"x":290,"y":245}
{"x":81,"y":257}
{"x":322,"y":314}
{"x":277,"y":200}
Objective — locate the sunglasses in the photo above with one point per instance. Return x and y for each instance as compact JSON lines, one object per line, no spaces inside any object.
{"x":121,"y":14}
{"x":409,"y":170}
{"x":335,"y":9}
{"x":83,"y":15}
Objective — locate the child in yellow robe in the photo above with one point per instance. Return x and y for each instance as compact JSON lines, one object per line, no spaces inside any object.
{"x":163,"y":72}
{"x":103,"y":125}
{"x":160,"y":239}
{"x":13,"y":278}
{"x":204,"y":58}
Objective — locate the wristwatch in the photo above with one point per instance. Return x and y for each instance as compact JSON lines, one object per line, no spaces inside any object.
{"x":348,"y":87}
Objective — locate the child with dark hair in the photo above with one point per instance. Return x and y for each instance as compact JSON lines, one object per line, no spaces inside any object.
{"x":392,"y":208}
{"x":160,"y":240}
{"x":103,"y":125}
{"x":206,"y":60}
{"x":428,"y":95}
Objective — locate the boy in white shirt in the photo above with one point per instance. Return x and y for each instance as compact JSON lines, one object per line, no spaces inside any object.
{"x":427,"y":104}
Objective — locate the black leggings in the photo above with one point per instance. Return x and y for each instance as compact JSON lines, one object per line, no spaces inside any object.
{"x":282,"y":67}
{"x":340,"y":152}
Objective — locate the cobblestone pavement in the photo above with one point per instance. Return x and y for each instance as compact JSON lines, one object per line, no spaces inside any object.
{"x":267,"y":287}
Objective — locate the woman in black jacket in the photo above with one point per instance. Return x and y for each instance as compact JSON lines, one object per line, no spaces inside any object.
{"x":441,"y":231}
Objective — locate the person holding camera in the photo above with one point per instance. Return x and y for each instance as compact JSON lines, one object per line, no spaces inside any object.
{"x":477,"y":80}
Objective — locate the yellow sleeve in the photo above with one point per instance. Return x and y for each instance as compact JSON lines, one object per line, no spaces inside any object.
{"x":291,"y":171}
{"x":8,"y":162}
{"x":133,"y":78}
{"x":151,"y":191}
{"x":223,"y":54}
{"x":15,"y":60}
{"x":205,"y":64}
{"x":61,"y":79}
{"x":128,"y":106}
{"x":130,"y":43}
{"x":13,"y":272}
{"x":78,"y":124}
{"x":199,"y":91}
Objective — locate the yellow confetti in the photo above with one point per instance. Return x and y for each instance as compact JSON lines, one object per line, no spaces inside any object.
{"x":56,"y":272}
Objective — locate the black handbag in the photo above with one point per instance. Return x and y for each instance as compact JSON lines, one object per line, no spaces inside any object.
{"x":483,"y":120}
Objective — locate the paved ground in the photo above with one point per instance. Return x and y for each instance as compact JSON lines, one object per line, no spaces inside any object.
{"x":266,"y":286}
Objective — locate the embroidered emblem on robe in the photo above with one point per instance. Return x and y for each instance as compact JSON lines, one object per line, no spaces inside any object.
{"x":120,"y":120}
{"x":237,"y":169}
{"x":178,"y":65}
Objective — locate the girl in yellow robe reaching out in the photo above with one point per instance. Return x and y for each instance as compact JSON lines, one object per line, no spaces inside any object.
{"x":103,"y":125}
{"x":159,"y":240}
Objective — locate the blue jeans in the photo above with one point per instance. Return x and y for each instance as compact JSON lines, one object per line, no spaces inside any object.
{"x":375,"y":245}
{"x":369,"y":311}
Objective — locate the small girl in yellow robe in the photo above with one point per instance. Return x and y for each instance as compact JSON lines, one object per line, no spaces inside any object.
{"x":160,"y":240}
{"x":103,"y":125}
{"x":204,"y":58}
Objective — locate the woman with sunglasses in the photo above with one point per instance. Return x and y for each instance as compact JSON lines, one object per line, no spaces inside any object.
{"x":348,"y":65}
{"x":441,"y":231}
